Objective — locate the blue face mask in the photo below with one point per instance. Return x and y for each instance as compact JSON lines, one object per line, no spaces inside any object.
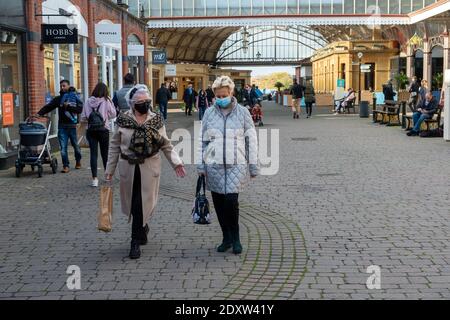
{"x":223,"y":102}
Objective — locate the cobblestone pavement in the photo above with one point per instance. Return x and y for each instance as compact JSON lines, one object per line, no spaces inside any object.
{"x":349,"y":194}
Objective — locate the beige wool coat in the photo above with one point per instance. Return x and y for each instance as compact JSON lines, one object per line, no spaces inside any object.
{"x":150,"y":169}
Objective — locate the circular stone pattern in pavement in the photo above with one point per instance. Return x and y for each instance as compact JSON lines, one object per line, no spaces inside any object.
{"x":274,"y":258}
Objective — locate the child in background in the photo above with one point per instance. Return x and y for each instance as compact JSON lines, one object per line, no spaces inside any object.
{"x":71,"y":97}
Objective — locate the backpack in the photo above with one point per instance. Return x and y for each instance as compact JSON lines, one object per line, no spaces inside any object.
{"x":201,"y":213}
{"x":96,"y":121}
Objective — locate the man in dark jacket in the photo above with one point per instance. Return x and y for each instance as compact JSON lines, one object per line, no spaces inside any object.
{"x":189,"y":99}
{"x":388,"y":91}
{"x":250,"y":96}
{"x":297,"y":95}
{"x":119,"y":96}
{"x":67,"y":127}
{"x":210,"y":94}
{"x":426,"y":110}
{"x":163,"y":96}
{"x":414,"y":93}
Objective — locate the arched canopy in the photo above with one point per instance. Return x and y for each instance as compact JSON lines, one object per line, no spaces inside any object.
{"x":198,"y":45}
{"x":275,"y":45}
{"x":53,"y":7}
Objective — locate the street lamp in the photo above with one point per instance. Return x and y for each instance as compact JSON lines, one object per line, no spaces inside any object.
{"x":360,"y":55}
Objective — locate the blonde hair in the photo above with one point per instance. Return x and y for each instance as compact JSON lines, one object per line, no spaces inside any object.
{"x":222,"y":82}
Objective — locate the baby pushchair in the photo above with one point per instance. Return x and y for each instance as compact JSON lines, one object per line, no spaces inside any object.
{"x":34,"y":147}
{"x":257,"y":115}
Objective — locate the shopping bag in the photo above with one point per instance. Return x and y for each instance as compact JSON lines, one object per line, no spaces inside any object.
{"x":106,"y":209}
{"x":200,"y":212}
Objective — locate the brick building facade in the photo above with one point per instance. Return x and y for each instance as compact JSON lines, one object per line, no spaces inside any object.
{"x":93,"y":12}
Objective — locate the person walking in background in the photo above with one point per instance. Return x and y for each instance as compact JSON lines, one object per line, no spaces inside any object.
{"x":67,"y":123}
{"x":423,"y":90}
{"x":189,"y":99}
{"x":310,"y":98}
{"x":210,"y":95}
{"x":202,"y":103}
{"x":414,"y":89}
{"x":225,"y":176}
{"x":119,"y":96}
{"x":135,"y":148}
{"x":98,"y":112}
{"x":297,"y":95}
{"x":163,"y":96}
{"x":250,"y":96}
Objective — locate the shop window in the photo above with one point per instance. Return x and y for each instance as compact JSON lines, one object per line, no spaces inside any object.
{"x":12,"y":107}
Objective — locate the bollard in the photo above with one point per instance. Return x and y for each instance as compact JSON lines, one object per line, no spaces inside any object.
{"x":374,"y":108}
{"x":404,"y":114}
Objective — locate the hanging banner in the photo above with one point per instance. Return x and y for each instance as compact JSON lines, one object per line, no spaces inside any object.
{"x":171,"y":70}
{"x":159,"y":57}
{"x":108,"y":33}
{"x":59,"y":34}
{"x":7,"y":109}
{"x":135,"y":50}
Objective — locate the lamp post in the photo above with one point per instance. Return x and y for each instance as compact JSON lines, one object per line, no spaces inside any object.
{"x":360,"y":55}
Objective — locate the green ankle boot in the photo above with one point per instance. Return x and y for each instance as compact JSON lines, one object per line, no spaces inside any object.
{"x":226,"y":242}
{"x":237,"y":246}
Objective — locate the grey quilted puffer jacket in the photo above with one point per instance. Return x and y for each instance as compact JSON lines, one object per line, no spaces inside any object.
{"x":228,"y":149}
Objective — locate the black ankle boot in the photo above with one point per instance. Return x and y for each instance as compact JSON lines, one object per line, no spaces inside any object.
{"x":237,"y":246}
{"x":226,"y":242}
{"x":135,"y":251}
{"x":144,"y":241}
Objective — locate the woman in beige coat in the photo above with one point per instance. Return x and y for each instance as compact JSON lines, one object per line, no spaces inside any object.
{"x":134,"y":148}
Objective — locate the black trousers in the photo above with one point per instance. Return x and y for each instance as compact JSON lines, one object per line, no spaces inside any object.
{"x":227,"y":209}
{"x":309,"y":107}
{"x":137,"y":229}
{"x":96,"y":138}
{"x":189,"y":107}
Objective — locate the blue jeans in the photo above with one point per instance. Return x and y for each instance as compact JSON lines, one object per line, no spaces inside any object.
{"x":64,"y":135}
{"x":418,"y":118}
{"x":163,"y":109}
{"x":201,"y":112}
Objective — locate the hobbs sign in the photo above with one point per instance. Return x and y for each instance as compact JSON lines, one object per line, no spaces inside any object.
{"x":59,"y":33}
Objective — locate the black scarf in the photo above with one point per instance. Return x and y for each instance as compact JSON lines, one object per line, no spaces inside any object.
{"x":146,"y":140}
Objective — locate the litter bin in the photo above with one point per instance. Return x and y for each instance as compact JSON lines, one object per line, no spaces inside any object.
{"x":364,"y":109}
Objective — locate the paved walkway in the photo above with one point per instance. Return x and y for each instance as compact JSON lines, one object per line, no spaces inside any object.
{"x":349,"y":194}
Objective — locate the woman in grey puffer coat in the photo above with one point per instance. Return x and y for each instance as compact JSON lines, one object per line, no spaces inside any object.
{"x":228,"y":151}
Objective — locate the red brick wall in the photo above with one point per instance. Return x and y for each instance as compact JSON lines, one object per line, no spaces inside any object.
{"x":35,"y":60}
{"x":93,"y":12}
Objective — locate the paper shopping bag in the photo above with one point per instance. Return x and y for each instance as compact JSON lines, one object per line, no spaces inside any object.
{"x":106,"y":209}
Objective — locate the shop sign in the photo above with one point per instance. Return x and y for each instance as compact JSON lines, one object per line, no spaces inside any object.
{"x":108,"y":33}
{"x":59,"y":34}
{"x":365,"y":68}
{"x":8,"y":109}
{"x":171,"y":70}
{"x":159,"y":57}
{"x":135,"y":50}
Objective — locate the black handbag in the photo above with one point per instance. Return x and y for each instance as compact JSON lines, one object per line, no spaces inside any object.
{"x":201,"y":213}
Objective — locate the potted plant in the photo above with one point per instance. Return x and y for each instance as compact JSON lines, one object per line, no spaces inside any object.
{"x":437,"y":82}
{"x":279,"y":85}
{"x":402,"y":82}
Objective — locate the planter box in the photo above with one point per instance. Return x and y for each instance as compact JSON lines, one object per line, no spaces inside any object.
{"x":324,"y":100}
